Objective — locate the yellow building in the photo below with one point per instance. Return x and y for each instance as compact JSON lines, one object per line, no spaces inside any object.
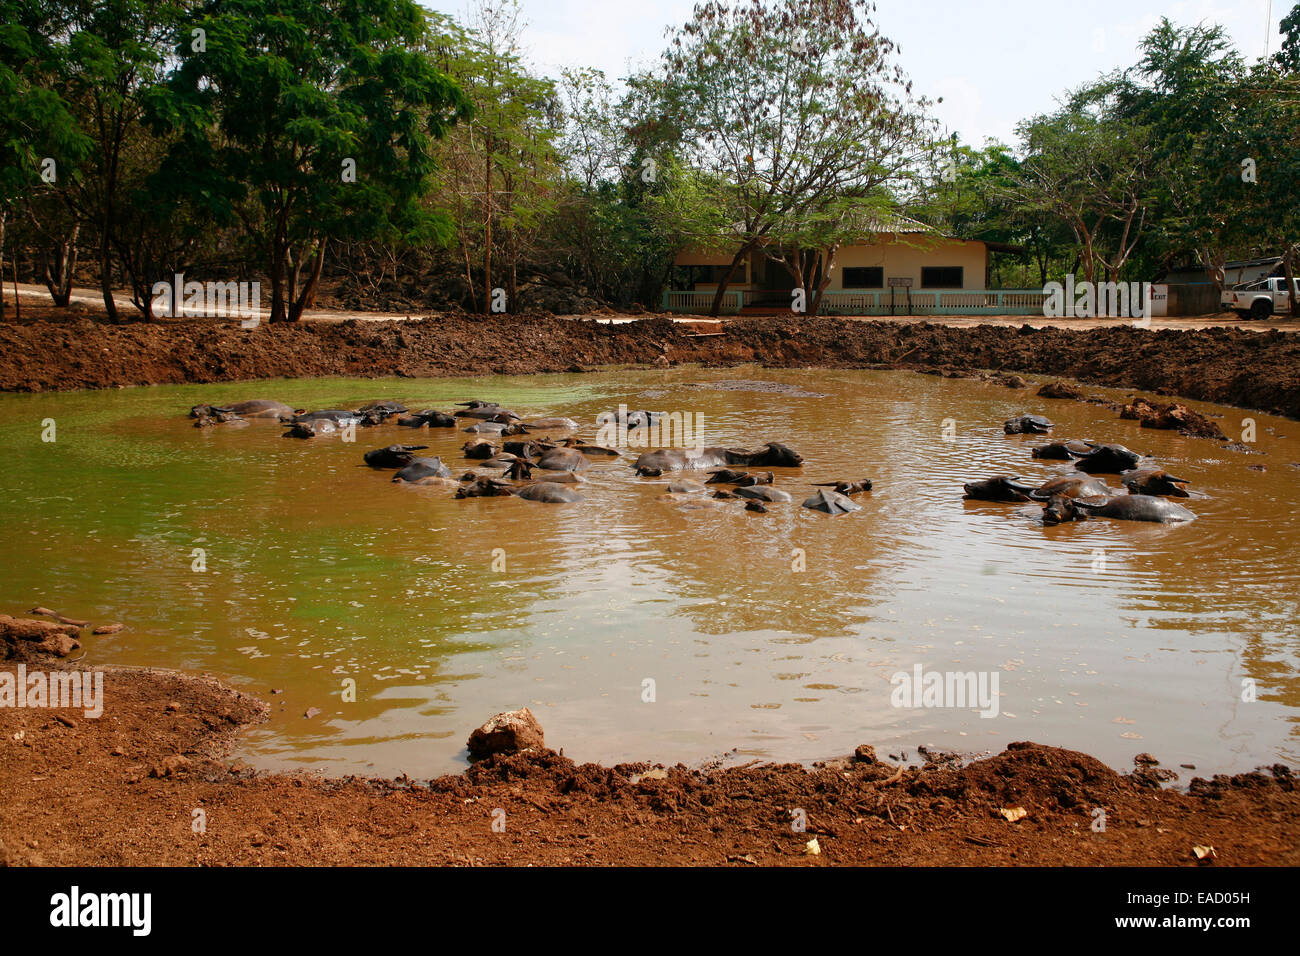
{"x":910,"y":261}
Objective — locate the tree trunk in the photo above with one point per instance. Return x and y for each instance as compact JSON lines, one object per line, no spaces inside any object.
{"x":291,"y":285}
{"x":59,"y":279}
{"x":4,"y":216}
{"x":824,"y":279}
{"x":487,"y":224}
{"x":279,"y":309}
{"x":106,"y":270}
{"x":722,"y":286}
{"x":469,"y":277}
{"x":1215,"y":266}
{"x":308,"y":298}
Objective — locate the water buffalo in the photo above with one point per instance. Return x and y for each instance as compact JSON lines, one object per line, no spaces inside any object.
{"x":339,"y":417}
{"x":629,"y":420}
{"x":254,"y":408}
{"x":1062,"y":450}
{"x":1104,"y":459}
{"x":1071,"y":486}
{"x":651,"y":464}
{"x":394,"y":456}
{"x":420,"y":469}
{"x":485,"y":487}
{"x":1123,"y":507}
{"x":376,"y":413}
{"x":1004,"y":488}
{"x":551,"y":424}
{"x":1153,"y":481}
{"x":312,"y":428}
{"x":684,"y":486}
{"x":593,"y":451}
{"x":550,"y":492}
{"x":1027,"y":425}
{"x":528,"y":449}
{"x":763,"y":493}
{"x":741,"y":479}
{"x":999,"y":488}
{"x":502,"y":460}
{"x":229,"y":419}
{"x":562,"y":459}
{"x":831,"y":503}
{"x":772,"y":455}
{"x":485,"y":410}
{"x":846,"y":487}
{"x":495,"y":428}
{"x":724,"y":476}
{"x":479,"y":448}
{"x":429,"y":418}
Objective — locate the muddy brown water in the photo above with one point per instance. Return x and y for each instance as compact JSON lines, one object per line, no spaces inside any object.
{"x":764,"y":636}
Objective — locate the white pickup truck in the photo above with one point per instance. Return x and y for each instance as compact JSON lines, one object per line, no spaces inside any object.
{"x":1259,"y":299}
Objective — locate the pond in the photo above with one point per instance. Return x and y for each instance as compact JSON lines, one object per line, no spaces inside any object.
{"x":640,"y":625}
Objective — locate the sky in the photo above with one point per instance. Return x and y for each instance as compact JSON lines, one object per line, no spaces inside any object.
{"x":994,"y":62}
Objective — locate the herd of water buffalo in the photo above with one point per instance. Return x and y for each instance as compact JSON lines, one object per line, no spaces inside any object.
{"x":1080,"y":494}
{"x":560,"y":462}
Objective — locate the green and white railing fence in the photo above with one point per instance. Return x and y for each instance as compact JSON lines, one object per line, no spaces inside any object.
{"x":873,"y":302}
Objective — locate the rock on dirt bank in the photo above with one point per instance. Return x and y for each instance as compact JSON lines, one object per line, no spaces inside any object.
{"x":124,"y":789}
{"x":1258,"y":370}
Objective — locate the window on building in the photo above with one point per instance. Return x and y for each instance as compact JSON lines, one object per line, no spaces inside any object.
{"x":943,"y":277}
{"x":864,"y":277}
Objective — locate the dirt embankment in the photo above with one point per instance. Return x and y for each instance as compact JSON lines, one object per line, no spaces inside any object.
{"x":1258,"y":370}
{"x":150,"y":782}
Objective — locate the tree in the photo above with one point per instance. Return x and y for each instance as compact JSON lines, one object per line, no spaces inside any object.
{"x":303,"y":120}
{"x":38,"y":131}
{"x":117,"y":53}
{"x":501,"y":169}
{"x":1189,"y":92}
{"x":1090,"y":167}
{"x":793,"y":109}
{"x":1275,"y":134}
{"x":972,"y":193}
{"x":1287,"y":59}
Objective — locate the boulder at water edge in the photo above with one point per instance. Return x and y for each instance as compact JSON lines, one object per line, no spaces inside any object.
{"x":507,"y":733}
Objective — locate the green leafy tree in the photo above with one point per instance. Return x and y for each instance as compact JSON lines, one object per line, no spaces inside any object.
{"x":971,"y":193}
{"x":39,"y":131}
{"x":1287,"y":59}
{"x":1189,"y":92}
{"x":302,"y":120}
{"x":1091,"y":168}
{"x":1278,"y":127}
{"x":501,"y":170}
{"x":796,"y":107}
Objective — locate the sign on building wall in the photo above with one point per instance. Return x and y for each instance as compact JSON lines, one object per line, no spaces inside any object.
{"x":1159,"y":299}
